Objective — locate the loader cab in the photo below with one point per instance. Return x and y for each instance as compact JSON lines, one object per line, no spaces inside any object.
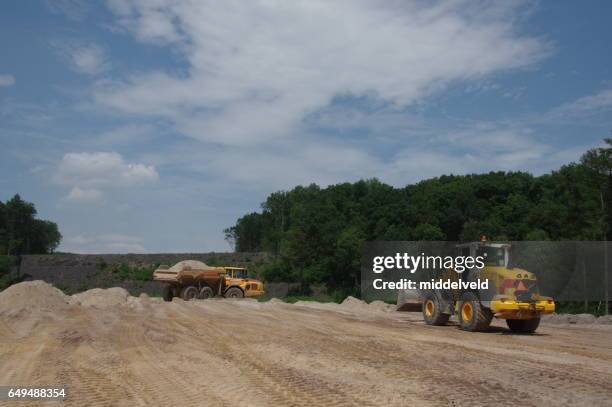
{"x":495,"y":254}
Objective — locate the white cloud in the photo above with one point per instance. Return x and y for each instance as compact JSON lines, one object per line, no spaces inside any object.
{"x":88,"y":173}
{"x":292,"y":165}
{"x":412,"y":165}
{"x":430,"y":150}
{"x":257,"y":69}
{"x":85,"y":58}
{"x":584,"y":106}
{"x":89,"y":59}
{"x":7,"y":80}
{"x":475,"y":148}
{"x":84,"y":195}
{"x":104,"y":243}
{"x":154,"y":20}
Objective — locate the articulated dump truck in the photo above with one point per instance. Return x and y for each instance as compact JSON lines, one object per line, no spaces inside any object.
{"x":512,"y":294}
{"x":191,"y":279}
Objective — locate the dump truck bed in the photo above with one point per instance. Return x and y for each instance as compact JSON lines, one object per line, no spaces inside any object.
{"x":170,"y":276}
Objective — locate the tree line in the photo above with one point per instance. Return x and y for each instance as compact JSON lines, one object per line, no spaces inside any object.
{"x":22,"y":233}
{"x":317,"y":232}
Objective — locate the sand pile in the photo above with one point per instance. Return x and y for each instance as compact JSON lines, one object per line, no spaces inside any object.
{"x":32,"y":295}
{"x":352,"y":302}
{"x":189,"y":265}
{"x":604,"y":320}
{"x":356,"y":304}
{"x":382,"y":306}
{"x":577,"y":319}
{"x":350,"y":305}
{"x":139,"y":303}
{"x":101,"y":298}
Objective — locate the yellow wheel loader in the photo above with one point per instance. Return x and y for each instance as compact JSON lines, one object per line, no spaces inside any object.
{"x":512,"y":293}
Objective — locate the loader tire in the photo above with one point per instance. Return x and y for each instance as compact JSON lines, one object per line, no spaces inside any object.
{"x":234,"y":292}
{"x":206,"y":292}
{"x":432,"y":310}
{"x":526,"y":326}
{"x":167,"y":292}
{"x":472,"y":315}
{"x":189,"y":293}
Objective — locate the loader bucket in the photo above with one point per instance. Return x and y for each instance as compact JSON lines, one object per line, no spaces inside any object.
{"x":408,"y":300}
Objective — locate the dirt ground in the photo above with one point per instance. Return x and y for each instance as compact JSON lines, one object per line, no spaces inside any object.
{"x":113,"y":350}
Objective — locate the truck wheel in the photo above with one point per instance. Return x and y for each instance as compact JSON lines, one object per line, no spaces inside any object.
{"x":189,"y":293}
{"x":206,"y":292}
{"x":432,"y":310}
{"x":526,"y":326}
{"x":472,"y":315}
{"x":234,"y":292}
{"x":167,"y":292}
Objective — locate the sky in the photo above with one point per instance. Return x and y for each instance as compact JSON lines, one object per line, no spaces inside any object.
{"x":152,"y":125}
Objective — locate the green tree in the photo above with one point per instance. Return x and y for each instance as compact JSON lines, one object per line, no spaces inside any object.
{"x":347,"y":255}
{"x":22,"y":233}
{"x":598,"y":162}
{"x":425,"y":231}
{"x":44,"y":236}
{"x":19,"y":221}
{"x":245,"y":236}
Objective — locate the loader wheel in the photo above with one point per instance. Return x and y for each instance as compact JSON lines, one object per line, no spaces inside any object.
{"x":432,"y":314}
{"x":167,"y":292}
{"x":234,"y":292}
{"x":189,"y":293}
{"x":206,"y":292}
{"x":472,"y":315}
{"x":526,"y":326}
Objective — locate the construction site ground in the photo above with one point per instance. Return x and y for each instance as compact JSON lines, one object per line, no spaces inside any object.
{"x":110,"y":349}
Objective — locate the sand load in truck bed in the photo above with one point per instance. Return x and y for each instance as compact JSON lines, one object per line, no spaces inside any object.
{"x":186,"y":268}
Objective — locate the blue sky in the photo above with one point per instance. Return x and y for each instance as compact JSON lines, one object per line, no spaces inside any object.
{"x":152,"y":125}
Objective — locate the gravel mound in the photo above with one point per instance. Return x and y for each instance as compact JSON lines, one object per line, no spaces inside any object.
{"x":32,"y":295}
{"x":101,"y":298}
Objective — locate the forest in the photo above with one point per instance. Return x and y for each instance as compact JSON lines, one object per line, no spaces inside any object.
{"x":317,"y":233}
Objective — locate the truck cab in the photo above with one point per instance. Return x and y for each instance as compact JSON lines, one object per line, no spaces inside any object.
{"x":236,"y":278}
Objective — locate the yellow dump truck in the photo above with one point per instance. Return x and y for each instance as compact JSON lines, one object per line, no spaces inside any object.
{"x":512,"y":293}
{"x":191,"y":279}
